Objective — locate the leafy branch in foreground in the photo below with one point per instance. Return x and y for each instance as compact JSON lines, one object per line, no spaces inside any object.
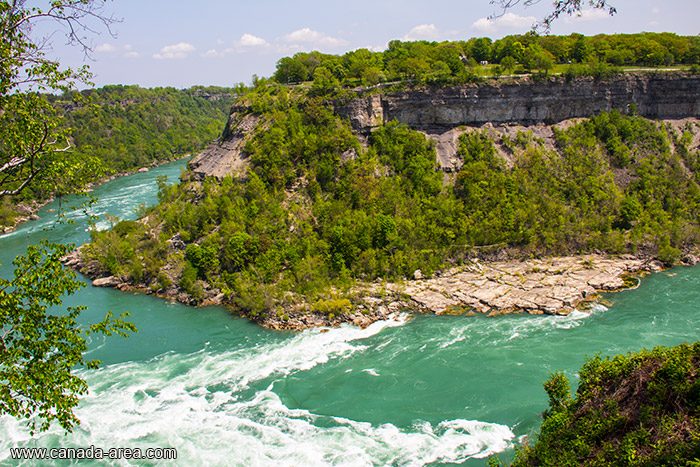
{"x":41,"y":344}
{"x":33,"y":147}
{"x":39,"y":348}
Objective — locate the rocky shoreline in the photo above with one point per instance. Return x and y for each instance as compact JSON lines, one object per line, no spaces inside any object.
{"x":26,"y":212}
{"x":553,"y":286}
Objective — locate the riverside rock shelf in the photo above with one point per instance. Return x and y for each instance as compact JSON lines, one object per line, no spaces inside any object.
{"x":552,"y":285}
{"x":555,"y":286}
{"x":538,"y":286}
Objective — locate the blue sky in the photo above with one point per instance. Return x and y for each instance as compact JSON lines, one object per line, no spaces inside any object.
{"x":216,"y":42}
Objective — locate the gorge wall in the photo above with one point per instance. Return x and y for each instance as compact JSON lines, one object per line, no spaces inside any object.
{"x":656,"y":96}
{"x":439,"y":111}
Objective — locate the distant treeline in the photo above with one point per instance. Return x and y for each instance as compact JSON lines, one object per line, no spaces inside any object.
{"x":122,"y":128}
{"x":454,"y":61}
{"x":127,"y":127}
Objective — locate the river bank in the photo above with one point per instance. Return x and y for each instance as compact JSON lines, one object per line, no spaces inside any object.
{"x":28,"y":211}
{"x":536,"y":286}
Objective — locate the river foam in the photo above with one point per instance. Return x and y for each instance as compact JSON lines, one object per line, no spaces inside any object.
{"x":501,"y":330}
{"x":210,"y":405}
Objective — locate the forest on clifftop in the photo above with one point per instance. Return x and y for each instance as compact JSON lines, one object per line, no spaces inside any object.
{"x":459,"y":62}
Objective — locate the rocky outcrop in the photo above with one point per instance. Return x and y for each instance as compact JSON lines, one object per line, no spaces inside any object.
{"x":226,"y":156}
{"x":436,"y":110}
{"x":554,"y":286}
{"x":109,"y":281}
{"x":443,"y":113}
{"x":25,"y":212}
{"x":537,"y":286}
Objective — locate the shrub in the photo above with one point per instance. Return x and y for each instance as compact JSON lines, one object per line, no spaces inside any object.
{"x":338,"y":306}
{"x":638,"y":409}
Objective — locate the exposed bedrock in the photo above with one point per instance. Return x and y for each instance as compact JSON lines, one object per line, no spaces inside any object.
{"x":435,"y":110}
{"x":439,"y":112}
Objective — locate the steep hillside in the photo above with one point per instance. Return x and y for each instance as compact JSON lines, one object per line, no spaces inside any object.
{"x":312,"y":206}
{"x":442,"y":112}
{"x":641,"y":409}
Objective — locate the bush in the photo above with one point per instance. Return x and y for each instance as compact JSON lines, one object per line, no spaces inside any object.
{"x":638,"y":409}
{"x":332,"y":307}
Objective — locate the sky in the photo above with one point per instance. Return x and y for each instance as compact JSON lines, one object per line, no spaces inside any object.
{"x":217,"y":42}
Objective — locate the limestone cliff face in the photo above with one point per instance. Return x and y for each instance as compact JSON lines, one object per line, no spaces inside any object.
{"x":226,"y":155}
{"x":657,"y":96}
{"x":439,"y":111}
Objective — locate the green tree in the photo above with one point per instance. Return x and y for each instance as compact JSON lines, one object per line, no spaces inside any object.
{"x":580,"y":50}
{"x":324,"y":81}
{"x":290,"y":70}
{"x":543,"y":62}
{"x":637,"y":409}
{"x":481,"y":50}
{"x":32,"y":147}
{"x":40,"y":345}
{"x":508,"y":63}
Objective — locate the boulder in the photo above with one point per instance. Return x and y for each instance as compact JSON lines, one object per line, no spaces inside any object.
{"x":434,"y":301}
{"x":110,"y":281}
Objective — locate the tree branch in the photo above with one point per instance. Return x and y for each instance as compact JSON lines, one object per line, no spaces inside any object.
{"x":73,"y":14}
{"x":561,"y":7}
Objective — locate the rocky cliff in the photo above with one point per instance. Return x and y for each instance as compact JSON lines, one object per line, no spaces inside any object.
{"x":439,"y":111}
{"x":655,"y":95}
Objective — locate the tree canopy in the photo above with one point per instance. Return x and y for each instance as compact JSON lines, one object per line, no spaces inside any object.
{"x":638,"y":409}
{"x":455,"y":62}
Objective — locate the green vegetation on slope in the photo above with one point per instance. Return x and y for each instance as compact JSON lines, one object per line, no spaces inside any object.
{"x":640,"y":409}
{"x":456,"y":62}
{"x":318,"y":210}
{"x":128,"y":127}
{"x":122,"y":128}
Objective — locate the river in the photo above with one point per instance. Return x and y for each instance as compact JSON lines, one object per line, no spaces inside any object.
{"x":417,"y":390}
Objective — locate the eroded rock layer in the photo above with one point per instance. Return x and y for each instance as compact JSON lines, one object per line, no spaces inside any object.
{"x":442,"y":113}
{"x":436,"y":110}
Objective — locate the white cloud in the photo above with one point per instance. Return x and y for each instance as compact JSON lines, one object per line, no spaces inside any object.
{"x":378,"y":48}
{"x":249,"y":40}
{"x":590,"y":14}
{"x":175,"y":51}
{"x":507,"y":21}
{"x":106,"y":48}
{"x":655,"y":11}
{"x":312,"y":38}
{"x":212,"y":53}
{"x":244,"y":44}
{"x":125,"y":50}
{"x":428,"y":32}
{"x":422,"y":31}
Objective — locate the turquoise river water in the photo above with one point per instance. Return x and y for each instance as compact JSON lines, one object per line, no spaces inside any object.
{"x":417,"y":390}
